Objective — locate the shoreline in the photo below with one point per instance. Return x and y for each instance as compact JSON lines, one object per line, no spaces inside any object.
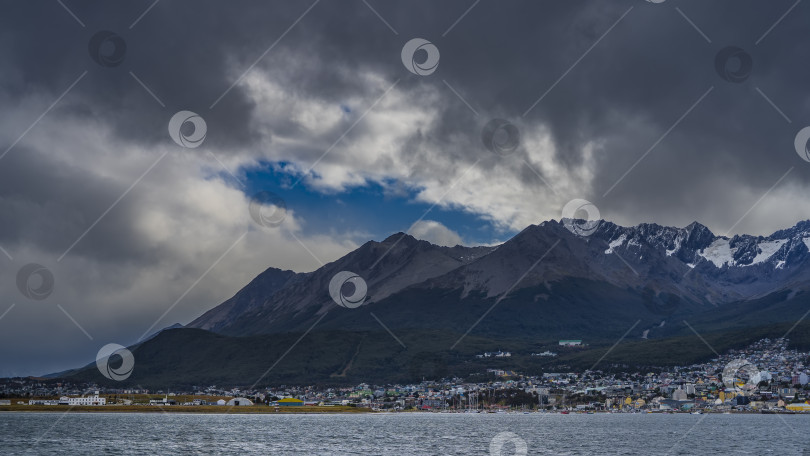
{"x":201,"y":409}
{"x":323,"y":410}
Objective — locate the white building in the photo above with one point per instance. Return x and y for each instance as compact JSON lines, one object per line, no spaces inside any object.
{"x":570,"y":343}
{"x":689,"y":388}
{"x":240,"y":401}
{"x":42,"y":402}
{"x":84,"y":400}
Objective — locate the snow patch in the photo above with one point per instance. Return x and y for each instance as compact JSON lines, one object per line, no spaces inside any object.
{"x":719,"y":252}
{"x":677,"y":246}
{"x":616,"y":243}
{"x":767,"y":249}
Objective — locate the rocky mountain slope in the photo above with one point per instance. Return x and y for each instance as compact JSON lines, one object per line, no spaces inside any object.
{"x":648,"y":267}
{"x":280,"y":300}
{"x":429,"y":310}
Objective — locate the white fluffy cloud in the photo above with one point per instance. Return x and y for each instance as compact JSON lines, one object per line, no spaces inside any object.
{"x":180,"y":242}
{"x":435,"y":233}
{"x":392,"y":142}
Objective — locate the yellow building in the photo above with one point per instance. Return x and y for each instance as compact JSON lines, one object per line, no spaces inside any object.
{"x":291,"y":401}
{"x":798,"y":407}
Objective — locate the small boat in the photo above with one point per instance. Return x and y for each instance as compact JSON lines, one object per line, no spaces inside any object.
{"x":564,"y":412}
{"x":696,"y":413}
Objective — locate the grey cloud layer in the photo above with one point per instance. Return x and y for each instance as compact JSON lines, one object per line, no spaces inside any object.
{"x":501,"y":57}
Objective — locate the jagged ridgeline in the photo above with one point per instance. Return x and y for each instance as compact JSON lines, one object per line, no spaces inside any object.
{"x":548,"y":282}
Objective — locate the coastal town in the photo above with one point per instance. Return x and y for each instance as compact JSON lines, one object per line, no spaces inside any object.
{"x":766,"y":377}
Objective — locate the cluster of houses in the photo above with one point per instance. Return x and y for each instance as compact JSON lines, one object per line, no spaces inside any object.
{"x":766,"y":376}
{"x":776,"y":379}
{"x":95,"y":399}
{"x":547,"y":353}
{"x":497,"y":354}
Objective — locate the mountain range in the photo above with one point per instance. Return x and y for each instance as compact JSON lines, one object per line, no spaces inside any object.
{"x":429,"y":309}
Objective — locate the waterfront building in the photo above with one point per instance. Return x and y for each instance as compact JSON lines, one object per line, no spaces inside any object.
{"x":240,"y":401}
{"x":291,"y":401}
{"x":84,"y":400}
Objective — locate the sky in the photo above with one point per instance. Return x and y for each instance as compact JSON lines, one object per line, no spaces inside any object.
{"x":135,"y":137}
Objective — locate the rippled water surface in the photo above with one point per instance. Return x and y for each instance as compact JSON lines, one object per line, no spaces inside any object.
{"x":402,"y":434}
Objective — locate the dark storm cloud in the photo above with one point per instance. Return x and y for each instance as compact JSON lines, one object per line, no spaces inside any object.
{"x":504,"y":55}
{"x":501,"y":57}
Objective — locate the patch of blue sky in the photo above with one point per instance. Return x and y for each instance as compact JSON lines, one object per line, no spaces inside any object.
{"x":371,"y":211}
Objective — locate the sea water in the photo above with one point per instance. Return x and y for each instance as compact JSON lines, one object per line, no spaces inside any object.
{"x":402,"y":434}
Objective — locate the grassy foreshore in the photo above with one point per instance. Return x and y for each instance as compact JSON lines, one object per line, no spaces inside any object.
{"x":209,"y":409}
{"x":263,"y":409}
